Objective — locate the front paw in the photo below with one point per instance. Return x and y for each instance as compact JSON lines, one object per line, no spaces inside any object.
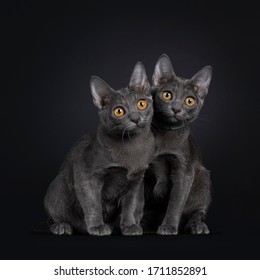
{"x":132,"y":230}
{"x":197,"y":228}
{"x":167,"y":230}
{"x":61,"y":229}
{"x":100,"y":230}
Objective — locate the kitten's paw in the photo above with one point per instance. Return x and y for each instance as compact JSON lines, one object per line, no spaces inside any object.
{"x":197,"y":228}
{"x":167,"y":230}
{"x":61,"y":229}
{"x":132,"y":230}
{"x":100,"y":230}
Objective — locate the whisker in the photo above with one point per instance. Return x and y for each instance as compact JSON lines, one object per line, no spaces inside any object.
{"x":123,"y":136}
{"x":118,"y":126}
{"x":182,"y":118}
{"x":156,"y":125}
{"x":200,"y":118}
{"x":129,"y":136}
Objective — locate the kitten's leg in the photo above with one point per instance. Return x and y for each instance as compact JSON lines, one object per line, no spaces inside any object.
{"x":88,"y":190}
{"x":132,"y":208}
{"x":196,"y":224}
{"x":161,"y":171}
{"x":182,"y":181}
{"x":56,"y":203}
{"x":198,"y":203}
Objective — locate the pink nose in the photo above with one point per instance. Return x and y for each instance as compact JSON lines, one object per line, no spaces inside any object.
{"x":176,"y":109}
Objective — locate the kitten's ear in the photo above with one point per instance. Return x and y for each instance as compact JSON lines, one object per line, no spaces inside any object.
{"x":100,"y":91}
{"x":163,"y":71}
{"x":201,"y":81}
{"x":139,"y":81}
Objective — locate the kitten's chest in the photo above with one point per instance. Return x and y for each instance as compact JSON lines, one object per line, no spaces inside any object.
{"x":115,"y":183}
{"x":170,"y":142}
{"x":134,"y":156}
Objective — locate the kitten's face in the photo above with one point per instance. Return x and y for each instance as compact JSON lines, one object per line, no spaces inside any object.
{"x":127,"y":110}
{"x":178,"y":99}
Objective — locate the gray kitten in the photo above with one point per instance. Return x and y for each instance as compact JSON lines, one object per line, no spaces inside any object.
{"x":182,"y":183}
{"x":101,"y":179}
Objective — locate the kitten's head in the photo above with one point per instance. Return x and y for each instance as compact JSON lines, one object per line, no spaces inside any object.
{"x":177,"y":99}
{"x":125,"y":110}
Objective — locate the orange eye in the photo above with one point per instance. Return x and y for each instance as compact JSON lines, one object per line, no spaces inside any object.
{"x":142,"y":104}
{"x":190,"y":101}
{"x":166,"y":95}
{"x":119,"y":112}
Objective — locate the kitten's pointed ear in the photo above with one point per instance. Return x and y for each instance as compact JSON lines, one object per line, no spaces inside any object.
{"x":163,"y":71}
{"x":201,"y":81}
{"x":100,"y":91}
{"x":138,"y":80}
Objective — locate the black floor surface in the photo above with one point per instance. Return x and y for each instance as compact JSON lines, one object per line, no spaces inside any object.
{"x":229,"y":244}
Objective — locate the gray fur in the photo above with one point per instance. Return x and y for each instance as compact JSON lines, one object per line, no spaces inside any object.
{"x":101,"y":179}
{"x":182,"y":183}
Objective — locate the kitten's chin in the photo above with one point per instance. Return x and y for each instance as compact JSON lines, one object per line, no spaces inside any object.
{"x":131,"y":127}
{"x":135,"y":127}
{"x":172,"y":120}
{"x":138,"y":129}
{"x":134,"y":131}
{"x":142,"y":125}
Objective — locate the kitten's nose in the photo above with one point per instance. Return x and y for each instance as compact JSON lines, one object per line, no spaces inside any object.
{"x":176,"y":109}
{"x":134,"y":117}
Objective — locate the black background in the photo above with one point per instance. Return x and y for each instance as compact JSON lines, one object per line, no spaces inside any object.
{"x":49,"y":54}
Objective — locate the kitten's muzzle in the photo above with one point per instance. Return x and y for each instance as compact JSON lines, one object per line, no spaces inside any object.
{"x":134,"y":117}
{"x":173,"y":118}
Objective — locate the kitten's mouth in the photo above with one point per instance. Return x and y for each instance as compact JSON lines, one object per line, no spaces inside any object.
{"x":141,"y":125}
{"x":135,"y":127}
{"x":131,"y":127}
{"x":174,"y":119}
{"x":180,"y":119}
